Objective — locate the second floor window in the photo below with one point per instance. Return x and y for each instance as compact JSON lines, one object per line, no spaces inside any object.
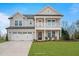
{"x":49,"y":22}
{"x":16,"y":23}
{"x":20,"y":23}
{"x":53,"y":22}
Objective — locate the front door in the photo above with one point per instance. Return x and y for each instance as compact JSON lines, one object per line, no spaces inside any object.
{"x":39,"y":35}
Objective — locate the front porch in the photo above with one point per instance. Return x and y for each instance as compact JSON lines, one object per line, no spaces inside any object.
{"x":47,"y":34}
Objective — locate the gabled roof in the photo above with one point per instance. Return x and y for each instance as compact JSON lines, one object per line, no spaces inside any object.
{"x":48,"y":11}
{"x":15,"y":15}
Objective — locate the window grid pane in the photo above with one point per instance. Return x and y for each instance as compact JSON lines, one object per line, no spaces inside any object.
{"x":19,"y":32}
{"x":20,"y":23}
{"x":14,"y":32}
{"x":16,"y":23}
{"x":24,"y":32}
{"x":29,"y":32}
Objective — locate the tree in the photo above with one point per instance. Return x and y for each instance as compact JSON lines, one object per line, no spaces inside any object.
{"x":65,"y":30}
{"x":77,"y":25}
{"x":74,"y":30}
{"x":0,"y":32}
{"x":65,"y":25}
{"x":76,"y":33}
{"x":65,"y":35}
{"x":6,"y":37}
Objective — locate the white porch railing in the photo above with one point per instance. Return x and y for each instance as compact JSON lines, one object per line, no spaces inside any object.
{"x":45,"y":25}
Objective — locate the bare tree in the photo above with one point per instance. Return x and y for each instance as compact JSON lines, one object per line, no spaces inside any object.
{"x":77,"y":25}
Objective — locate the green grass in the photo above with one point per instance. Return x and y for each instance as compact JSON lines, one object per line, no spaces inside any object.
{"x":54,"y":48}
{"x":2,"y":40}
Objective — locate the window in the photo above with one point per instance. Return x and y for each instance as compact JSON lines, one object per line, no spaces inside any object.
{"x":29,"y":32}
{"x":53,"y":33}
{"x":20,"y":23}
{"x":24,"y":32}
{"x":53,"y":22}
{"x":19,"y":32}
{"x":10,"y":32}
{"x":30,"y":22}
{"x":49,"y":22}
{"x":16,"y":23}
{"x":49,"y":33}
{"x":14,"y":32}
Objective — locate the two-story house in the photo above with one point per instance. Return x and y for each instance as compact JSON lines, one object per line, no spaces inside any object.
{"x":38,"y":26}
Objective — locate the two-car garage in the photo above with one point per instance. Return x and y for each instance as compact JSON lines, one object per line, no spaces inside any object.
{"x":20,"y":34}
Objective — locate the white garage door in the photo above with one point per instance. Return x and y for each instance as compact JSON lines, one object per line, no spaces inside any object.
{"x":22,"y":36}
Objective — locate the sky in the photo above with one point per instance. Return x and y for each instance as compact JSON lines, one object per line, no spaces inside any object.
{"x":69,"y":10}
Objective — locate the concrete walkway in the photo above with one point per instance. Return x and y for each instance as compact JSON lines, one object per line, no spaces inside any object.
{"x":15,"y":48}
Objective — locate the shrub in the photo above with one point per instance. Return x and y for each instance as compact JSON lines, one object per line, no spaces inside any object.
{"x":6,"y":37}
{"x":46,"y":38}
{"x":76,"y":35}
{"x":50,"y":38}
{"x":65,"y":35}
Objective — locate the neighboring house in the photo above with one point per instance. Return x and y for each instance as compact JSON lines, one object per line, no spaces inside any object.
{"x":38,"y":26}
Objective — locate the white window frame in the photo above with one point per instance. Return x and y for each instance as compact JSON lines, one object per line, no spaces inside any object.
{"x":14,"y":32}
{"x":17,"y":23}
{"x":24,"y":32}
{"x":19,"y":32}
{"x":20,"y":23}
{"x":29,"y":32}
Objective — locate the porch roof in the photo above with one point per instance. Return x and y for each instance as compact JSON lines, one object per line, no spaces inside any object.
{"x":20,"y":28}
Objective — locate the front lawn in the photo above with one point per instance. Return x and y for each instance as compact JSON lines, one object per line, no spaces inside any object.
{"x":2,"y":40}
{"x":54,"y":48}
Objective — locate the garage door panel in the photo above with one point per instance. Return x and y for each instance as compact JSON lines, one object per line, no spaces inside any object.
{"x":22,"y":37}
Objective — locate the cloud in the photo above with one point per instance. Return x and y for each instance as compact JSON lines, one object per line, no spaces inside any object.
{"x":74,"y":8}
{"x":4,"y":22}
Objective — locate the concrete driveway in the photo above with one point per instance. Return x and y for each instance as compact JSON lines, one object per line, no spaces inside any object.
{"x":15,"y":48}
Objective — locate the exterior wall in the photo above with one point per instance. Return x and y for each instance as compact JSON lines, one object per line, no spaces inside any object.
{"x":16,"y":17}
{"x":25,"y":21}
{"x":44,"y":33}
{"x":43,"y":23}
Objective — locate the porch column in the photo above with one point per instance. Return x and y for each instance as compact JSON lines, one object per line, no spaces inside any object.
{"x":35,"y":34}
{"x":44,"y":34}
{"x":57,"y":34}
{"x":51,"y":33}
{"x":35,"y":28}
{"x":60,"y":34}
{"x":44,"y":28}
{"x":44,"y":22}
